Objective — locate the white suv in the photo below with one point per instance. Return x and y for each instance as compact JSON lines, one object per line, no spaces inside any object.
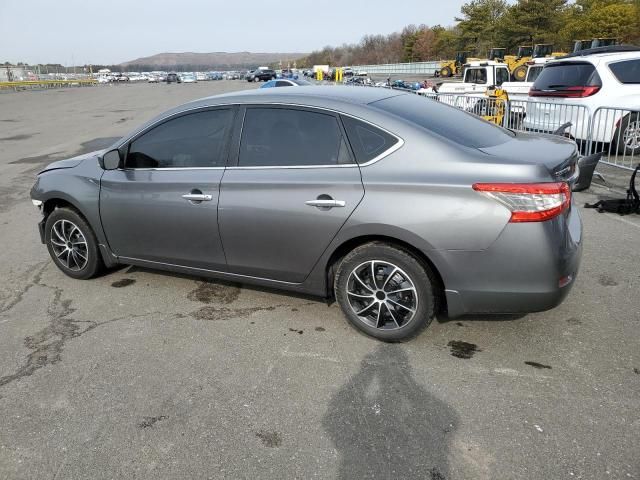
{"x":600,"y":91}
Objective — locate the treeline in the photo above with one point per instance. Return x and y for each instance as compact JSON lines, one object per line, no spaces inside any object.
{"x":484,"y":24}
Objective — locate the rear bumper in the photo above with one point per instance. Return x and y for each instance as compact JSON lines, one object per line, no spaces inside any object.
{"x":531,"y":267}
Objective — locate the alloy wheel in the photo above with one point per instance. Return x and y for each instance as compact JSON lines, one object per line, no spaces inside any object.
{"x":69,"y":245}
{"x":382,"y":295}
{"x":631,"y":136}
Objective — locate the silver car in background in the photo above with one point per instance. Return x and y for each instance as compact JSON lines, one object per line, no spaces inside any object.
{"x":398,"y":206}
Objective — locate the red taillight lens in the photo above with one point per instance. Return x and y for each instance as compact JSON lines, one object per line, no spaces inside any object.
{"x":568,"y":92}
{"x":529,"y":202}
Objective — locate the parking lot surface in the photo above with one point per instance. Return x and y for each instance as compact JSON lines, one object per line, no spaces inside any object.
{"x":143,"y":374}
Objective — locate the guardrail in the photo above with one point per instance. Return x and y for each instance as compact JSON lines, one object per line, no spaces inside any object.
{"x":47,"y":83}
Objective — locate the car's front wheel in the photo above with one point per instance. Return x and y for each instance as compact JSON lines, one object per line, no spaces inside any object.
{"x":385,"y":292}
{"x":72,"y":244}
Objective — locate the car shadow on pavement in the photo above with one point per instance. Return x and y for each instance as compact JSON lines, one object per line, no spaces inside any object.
{"x":482,"y":317}
{"x":385,"y":425}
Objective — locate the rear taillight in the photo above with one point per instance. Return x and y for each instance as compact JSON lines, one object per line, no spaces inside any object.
{"x":529,"y":202}
{"x":568,"y":92}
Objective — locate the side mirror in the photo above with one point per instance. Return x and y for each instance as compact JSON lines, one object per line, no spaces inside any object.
{"x":111,"y":160}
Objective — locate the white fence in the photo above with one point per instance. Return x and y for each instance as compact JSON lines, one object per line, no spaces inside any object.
{"x":414,"y":68}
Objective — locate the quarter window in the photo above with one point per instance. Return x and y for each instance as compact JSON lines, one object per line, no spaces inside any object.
{"x":280,"y":137}
{"x":366,"y":140}
{"x":627,"y":71}
{"x":192,"y":140}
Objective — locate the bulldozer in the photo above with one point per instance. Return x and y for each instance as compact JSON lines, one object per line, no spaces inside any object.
{"x":517,"y":64}
{"x":450,"y":68}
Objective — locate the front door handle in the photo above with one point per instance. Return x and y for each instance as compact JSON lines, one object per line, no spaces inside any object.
{"x":197,"y":197}
{"x":325,"y":203}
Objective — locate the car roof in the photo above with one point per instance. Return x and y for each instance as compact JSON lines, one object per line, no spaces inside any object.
{"x":311,"y":96}
{"x":597,"y":57}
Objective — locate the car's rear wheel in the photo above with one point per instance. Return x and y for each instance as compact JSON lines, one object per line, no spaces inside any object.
{"x":627,"y":135}
{"x":385,"y":292}
{"x":72,"y":244}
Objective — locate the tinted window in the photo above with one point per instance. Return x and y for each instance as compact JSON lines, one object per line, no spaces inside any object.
{"x":282,"y":83}
{"x":366,"y":140}
{"x":285,"y":137}
{"x":557,"y":76}
{"x":477,"y":75}
{"x":627,"y":71}
{"x":193,"y":140}
{"x":449,"y":122}
{"x":533,"y":73}
{"x":502,"y":75}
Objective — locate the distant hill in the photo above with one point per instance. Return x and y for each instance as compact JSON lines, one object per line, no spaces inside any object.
{"x":211,"y":60}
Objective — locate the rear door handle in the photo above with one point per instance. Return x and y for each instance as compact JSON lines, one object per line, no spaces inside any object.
{"x":325,"y":203}
{"x":197,"y":197}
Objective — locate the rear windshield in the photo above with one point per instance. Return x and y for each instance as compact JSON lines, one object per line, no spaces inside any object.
{"x":449,"y":122}
{"x":627,"y":71}
{"x":557,"y":76}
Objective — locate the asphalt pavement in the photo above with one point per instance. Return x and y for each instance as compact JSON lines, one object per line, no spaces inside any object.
{"x":144,"y":374}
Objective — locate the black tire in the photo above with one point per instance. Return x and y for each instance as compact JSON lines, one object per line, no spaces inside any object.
{"x":520,"y":73}
{"x":445,"y":72}
{"x":396,"y":269}
{"x":63,"y":219}
{"x":630,"y":122}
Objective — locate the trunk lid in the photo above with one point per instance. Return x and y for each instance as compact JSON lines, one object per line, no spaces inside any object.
{"x":558,"y":154}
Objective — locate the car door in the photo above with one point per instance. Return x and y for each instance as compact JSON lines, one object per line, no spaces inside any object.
{"x":162,"y":205}
{"x":294,"y":184}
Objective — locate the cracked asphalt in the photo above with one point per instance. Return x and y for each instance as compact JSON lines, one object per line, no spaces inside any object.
{"x":143,"y":374}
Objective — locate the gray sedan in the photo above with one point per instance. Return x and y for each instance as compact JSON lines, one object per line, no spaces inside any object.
{"x":399,"y":207}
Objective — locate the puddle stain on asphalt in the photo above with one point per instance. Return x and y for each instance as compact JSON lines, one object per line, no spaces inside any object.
{"x":636,"y":371}
{"x":537,"y":365}
{"x":223,"y":313}
{"x":215,"y":292}
{"x":148,"y":422}
{"x":23,"y":136}
{"x":269,"y":439}
{"x":85,"y":147}
{"x":607,"y":281}
{"x":297,"y":331}
{"x":125,"y":282}
{"x":122,"y":120}
{"x":462,"y":349}
{"x":574,"y":321}
{"x":320,"y":329}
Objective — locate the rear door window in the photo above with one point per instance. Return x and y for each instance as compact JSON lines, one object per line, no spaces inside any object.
{"x":502,"y":75}
{"x":477,"y":75}
{"x":284,"y":137}
{"x":627,"y":71}
{"x":367,"y":141}
{"x":559,"y":76}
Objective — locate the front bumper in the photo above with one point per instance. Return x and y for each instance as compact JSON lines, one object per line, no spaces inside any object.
{"x":531,"y":267}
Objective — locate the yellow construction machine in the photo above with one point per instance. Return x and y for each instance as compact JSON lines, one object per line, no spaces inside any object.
{"x":517,"y":64}
{"x":450,"y":68}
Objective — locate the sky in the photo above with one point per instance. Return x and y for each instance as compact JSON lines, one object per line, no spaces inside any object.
{"x":113,"y":31}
